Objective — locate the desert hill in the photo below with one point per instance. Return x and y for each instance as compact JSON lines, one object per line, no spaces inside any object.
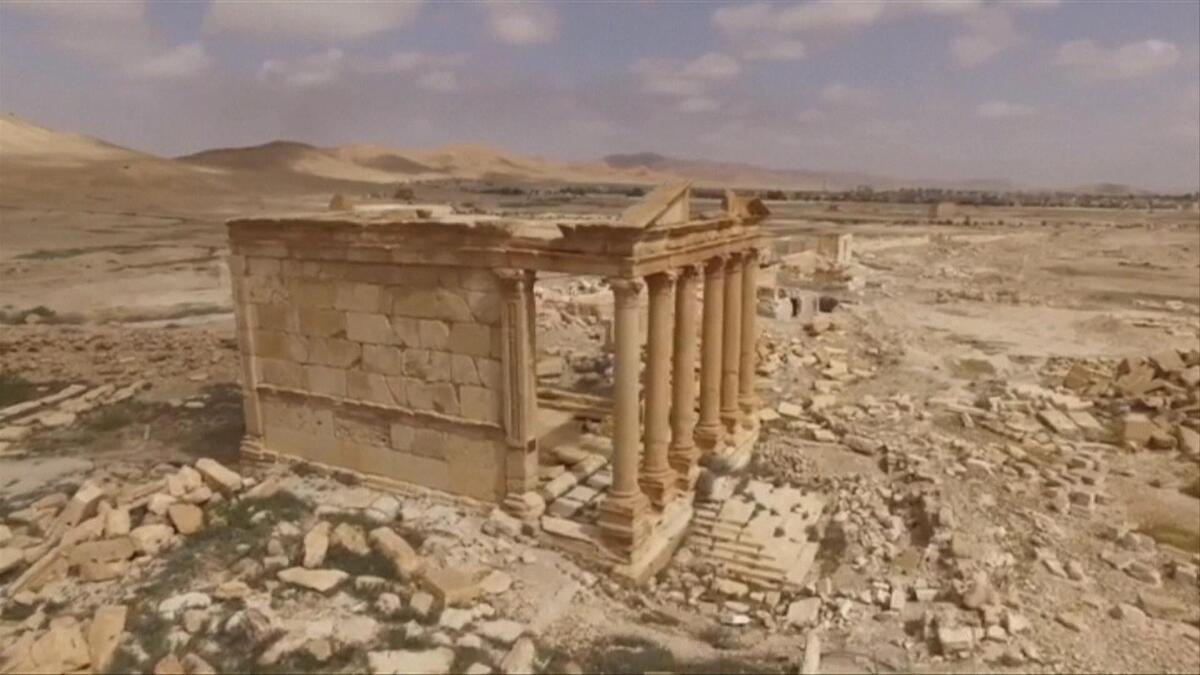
{"x":39,"y":164}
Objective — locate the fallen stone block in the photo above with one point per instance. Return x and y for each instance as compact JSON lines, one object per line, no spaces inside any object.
{"x":321,"y":581}
{"x":104,"y":634}
{"x":453,"y":586}
{"x":218,"y":477}
{"x":435,"y":661}
{"x":1137,"y":429}
{"x":316,"y":544}
{"x":519,"y":659}
{"x":151,"y":539}
{"x":187,"y":518}
{"x":803,"y":613}
{"x":404,"y":559}
{"x":106,"y":550}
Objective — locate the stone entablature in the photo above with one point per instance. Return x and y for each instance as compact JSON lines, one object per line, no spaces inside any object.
{"x":406,"y":348}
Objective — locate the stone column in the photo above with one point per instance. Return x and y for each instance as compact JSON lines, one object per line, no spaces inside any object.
{"x":245,"y":321}
{"x":747,"y":399}
{"x":731,"y":344}
{"x":623,"y":514}
{"x":684,"y":455}
{"x":520,"y":395}
{"x":708,"y":429}
{"x":657,"y":478}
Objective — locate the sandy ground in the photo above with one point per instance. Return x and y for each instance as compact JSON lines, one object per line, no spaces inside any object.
{"x":136,"y":288}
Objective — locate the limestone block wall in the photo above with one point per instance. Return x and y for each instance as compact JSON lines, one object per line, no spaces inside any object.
{"x":384,"y":368}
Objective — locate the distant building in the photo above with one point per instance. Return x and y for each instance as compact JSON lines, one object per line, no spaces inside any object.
{"x":943,"y":210}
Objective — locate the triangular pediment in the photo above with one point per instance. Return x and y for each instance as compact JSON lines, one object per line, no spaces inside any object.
{"x":744,"y":207}
{"x":665,"y":205}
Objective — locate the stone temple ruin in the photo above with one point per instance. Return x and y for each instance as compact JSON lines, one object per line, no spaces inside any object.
{"x":402,"y":347}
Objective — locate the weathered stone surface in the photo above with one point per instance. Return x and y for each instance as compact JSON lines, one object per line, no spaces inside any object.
{"x":231,"y":590}
{"x":519,"y":659}
{"x":169,"y":665}
{"x":10,"y":558}
{"x":455,"y":619}
{"x":172,"y":606}
{"x":403,"y":557}
{"x":218,"y":477}
{"x":187,"y":518}
{"x":316,"y":544}
{"x":804,"y":612}
{"x":62,"y":645}
{"x":812,"y":654}
{"x":159,"y":503}
{"x":104,"y":634}
{"x":194,"y":665}
{"x":350,"y":538}
{"x":355,"y":631}
{"x":396,"y":662}
{"x":151,"y":539}
{"x":106,"y":550}
{"x":496,"y":582}
{"x":453,"y":586}
{"x":502,"y":631}
{"x":318,"y":580}
{"x":116,"y":523}
{"x":423,"y":605}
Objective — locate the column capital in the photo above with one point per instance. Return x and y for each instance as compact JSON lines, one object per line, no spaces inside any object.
{"x":733,"y":259}
{"x":625,"y":289}
{"x":690,"y":270}
{"x":661,"y":282}
{"x":716,"y":265}
{"x":514,"y":276}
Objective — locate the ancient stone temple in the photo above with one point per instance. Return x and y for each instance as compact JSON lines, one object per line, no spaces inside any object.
{"x":402,"y":347}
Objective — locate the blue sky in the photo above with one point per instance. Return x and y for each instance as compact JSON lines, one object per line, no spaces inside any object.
{"x":1042,"y":93}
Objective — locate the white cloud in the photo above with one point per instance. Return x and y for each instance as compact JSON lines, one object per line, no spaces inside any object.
{"x":1004,"y":110}
{"x":439,"y":80}
{"x":403,"y":62}
{"x":698,"y":104}
{"x":693,"y":78}
{"x":433,"y":72}
{"x":522,"y":23}
{"x":777,"y":49}
{"x":185,"y":60}
{"x":785,"y":31}
{"x":809,"y":115}
{"x":315,"y":21}
{"x":1129,"y":61}
{"x":841,"y":94}
{"x":313,"y":70}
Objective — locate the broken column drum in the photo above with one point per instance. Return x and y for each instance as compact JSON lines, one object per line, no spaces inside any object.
{"x":403,"y":348}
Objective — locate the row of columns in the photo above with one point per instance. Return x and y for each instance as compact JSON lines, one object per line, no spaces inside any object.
{"x":674,"y":436}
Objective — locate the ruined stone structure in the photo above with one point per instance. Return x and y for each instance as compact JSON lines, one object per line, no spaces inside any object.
{"x":404,"y":350}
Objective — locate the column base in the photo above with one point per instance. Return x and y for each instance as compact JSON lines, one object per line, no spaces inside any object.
{"x":625,"y":522}
{"x":526,"y":506}
{"x":750,"y":407}
{"x":732,"y":420}
{"x":659,"y":488}
{"x":685,"y":461}
{"x":709,"y":437}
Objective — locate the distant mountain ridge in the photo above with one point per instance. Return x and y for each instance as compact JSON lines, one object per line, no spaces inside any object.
{"x":27,"y":149}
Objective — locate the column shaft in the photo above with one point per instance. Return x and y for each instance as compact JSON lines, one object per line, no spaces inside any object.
{"x":622,"y":514}
{"x":708,"y":429}
{"x":657,"y":478}
{"x":747,"y":399}
{"x":683,"y":455}
{"x":731,"y":345}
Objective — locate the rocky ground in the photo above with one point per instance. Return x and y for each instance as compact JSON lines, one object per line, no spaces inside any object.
{"x":999,"y":428}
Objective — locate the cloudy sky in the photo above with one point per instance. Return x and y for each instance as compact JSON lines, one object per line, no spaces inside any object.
{"x":1042,"y":93}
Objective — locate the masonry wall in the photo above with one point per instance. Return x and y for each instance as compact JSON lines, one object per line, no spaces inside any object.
{"x":382,"y":368}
